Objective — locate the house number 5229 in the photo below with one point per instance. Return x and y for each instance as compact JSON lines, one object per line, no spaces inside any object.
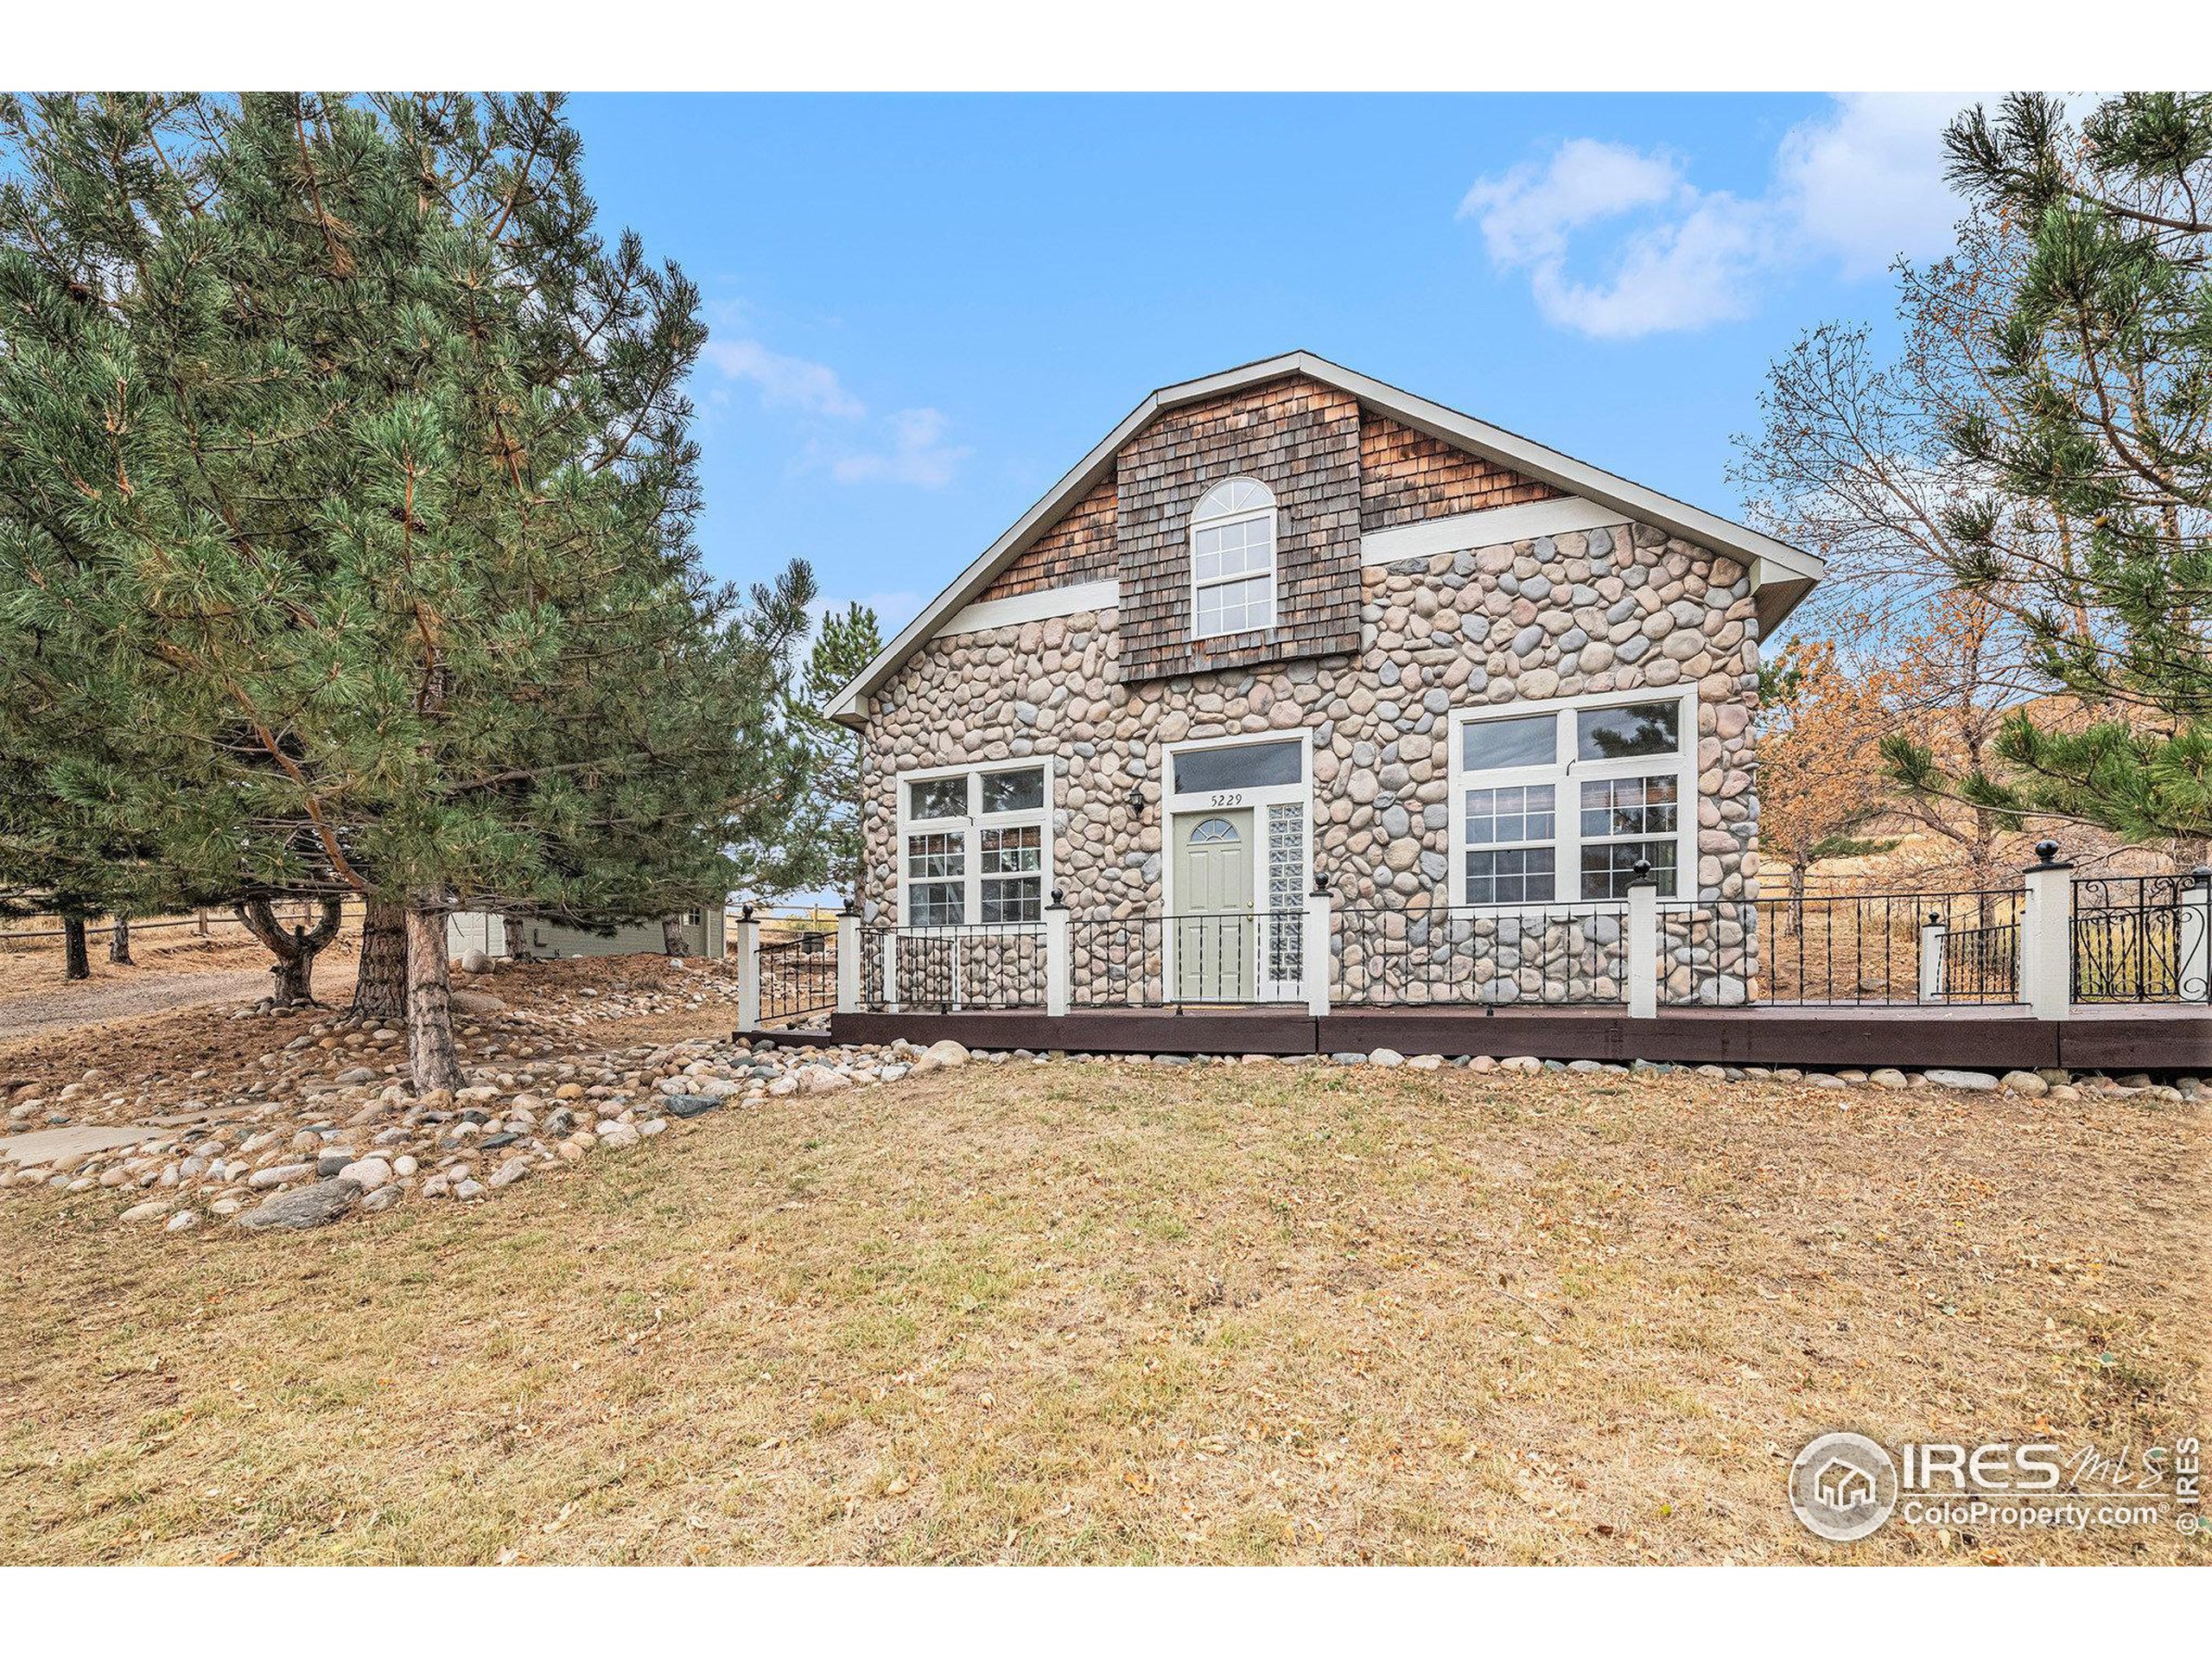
{"x":1226,"y":798}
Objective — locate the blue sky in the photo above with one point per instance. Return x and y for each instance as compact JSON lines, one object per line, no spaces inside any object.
{"x":926,"y":309}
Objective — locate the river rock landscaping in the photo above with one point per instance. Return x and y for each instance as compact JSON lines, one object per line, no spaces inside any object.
{"x":326,"y":1130}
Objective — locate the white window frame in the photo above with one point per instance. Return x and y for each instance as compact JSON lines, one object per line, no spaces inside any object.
{"x":969,"y":827}
{"x":1201,"y":519}
{"x":1567,"y":773}
{"x":1229,"y":800}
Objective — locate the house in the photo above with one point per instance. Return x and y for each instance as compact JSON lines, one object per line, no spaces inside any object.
{"x":1285,"y":626}
{"x":482,"y":930}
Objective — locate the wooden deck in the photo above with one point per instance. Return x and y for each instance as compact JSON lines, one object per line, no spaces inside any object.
{"x":2158,"y":1037}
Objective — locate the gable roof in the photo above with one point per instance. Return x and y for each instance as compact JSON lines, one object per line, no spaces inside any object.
{"x":1781,"y":574}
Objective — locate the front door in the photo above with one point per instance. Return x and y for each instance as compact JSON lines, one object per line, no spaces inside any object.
{"x":1215,"y":946}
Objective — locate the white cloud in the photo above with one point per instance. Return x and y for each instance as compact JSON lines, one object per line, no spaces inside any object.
{"x":1858,"y":184}
{"x":1527,"y":212}
{"x":917,"y":454}
{"x":786,"y":382}
{"x":1866,"y":181}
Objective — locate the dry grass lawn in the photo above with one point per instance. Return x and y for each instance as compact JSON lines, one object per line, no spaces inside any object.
{"x":1094,"y":1313}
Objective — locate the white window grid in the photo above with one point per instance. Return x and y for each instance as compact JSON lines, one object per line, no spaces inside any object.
{"x":965,"y":856}
{"x":1603,"y":813}
{"x":1233,"y":531}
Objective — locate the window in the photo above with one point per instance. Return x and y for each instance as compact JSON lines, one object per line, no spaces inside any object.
{"x":1244,"y":766}
{"x":1510,"y":860}
{"x":1233,"y":559}
{"x":1559,"y":807}
{"x":977,"y":849}
{"x":1014,"y":862}
{"x":1531,"y":740}
{"x":1624,"y":819}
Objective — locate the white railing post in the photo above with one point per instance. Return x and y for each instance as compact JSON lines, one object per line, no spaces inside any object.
{"x":748,"y":971}
{"x":849,"y":960}
{"x":2047,"y":935}
{"x":1641,"y":969}
{"x":1313,"y":950}
{"x":1932,"y":935}
{"x":2195,"y":972}
{"x":1058,"y":968}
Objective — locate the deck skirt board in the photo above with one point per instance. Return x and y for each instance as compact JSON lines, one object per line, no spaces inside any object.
{"x":1982,"y":1038}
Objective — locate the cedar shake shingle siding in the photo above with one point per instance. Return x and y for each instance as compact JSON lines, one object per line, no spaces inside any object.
{"x":1300,"y":438}
{"x":1078,"y":549}
{"x":1406,"y":476}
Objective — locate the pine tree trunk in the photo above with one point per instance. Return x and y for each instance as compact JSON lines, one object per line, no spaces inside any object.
{"x":380,"y":987}
{"x":672,"y":935}
{"x":119,"y":942}
{"x":294,"y":952}
{"x":76,"y":963}
{"x":430,"y":1055}
{"x":294,"y":975}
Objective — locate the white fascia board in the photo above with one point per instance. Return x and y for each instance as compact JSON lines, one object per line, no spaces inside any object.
{"x":1491,"y":527}
{"x":1785,"y":563}
{"x":847,"y":706}
{"x":1564,"y":472}
{"x":1017,"y":608}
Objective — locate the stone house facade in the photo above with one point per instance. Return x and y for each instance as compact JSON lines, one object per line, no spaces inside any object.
{"x":1288,"y":625}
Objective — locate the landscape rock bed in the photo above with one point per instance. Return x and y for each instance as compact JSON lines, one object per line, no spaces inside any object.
{"x":331,"y":1130}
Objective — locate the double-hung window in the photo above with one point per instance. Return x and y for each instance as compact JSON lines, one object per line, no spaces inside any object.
{"x":1560,"y":806}
{"x":1233,"y":559}
{"x":976,"y":847}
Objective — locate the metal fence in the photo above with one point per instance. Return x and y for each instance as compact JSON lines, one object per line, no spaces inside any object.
{"x":1155,"y":961}
{"x":798,"y":977}
{"x":1867,"y":948}
{"x":2139,"y":938}
{"x":2131,"y":939}
{"x":971,"y":966}
{"x":1389,"y":956}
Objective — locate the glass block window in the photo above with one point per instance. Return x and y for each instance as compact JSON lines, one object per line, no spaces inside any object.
{"x":1286,"y":879}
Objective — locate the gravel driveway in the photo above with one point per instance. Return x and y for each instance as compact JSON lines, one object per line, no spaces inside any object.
{"x":98,"y":1003}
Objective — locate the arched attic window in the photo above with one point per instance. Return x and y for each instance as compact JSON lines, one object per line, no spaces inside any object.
{"x":1233,"y":559}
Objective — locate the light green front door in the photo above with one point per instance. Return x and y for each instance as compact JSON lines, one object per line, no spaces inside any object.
{"x":1215,"y":946}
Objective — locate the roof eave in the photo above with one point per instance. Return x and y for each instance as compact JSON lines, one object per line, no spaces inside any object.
{"x":1791,"y":570}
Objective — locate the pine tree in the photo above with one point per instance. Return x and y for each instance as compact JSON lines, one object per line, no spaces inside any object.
{"x":344,"y":463}
{"x":2101,"y":361}
{"x":847,"y":644}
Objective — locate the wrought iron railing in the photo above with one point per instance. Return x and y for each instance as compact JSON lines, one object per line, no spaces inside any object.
{"x":1154,"y":961}
{"x":1863,"y":948}
{"x":944,"y":969}
{"x":799,"y":976}
{"x":1390,"y":956}
{"x":2139,"y":938}
{"x":1708,"y":953}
